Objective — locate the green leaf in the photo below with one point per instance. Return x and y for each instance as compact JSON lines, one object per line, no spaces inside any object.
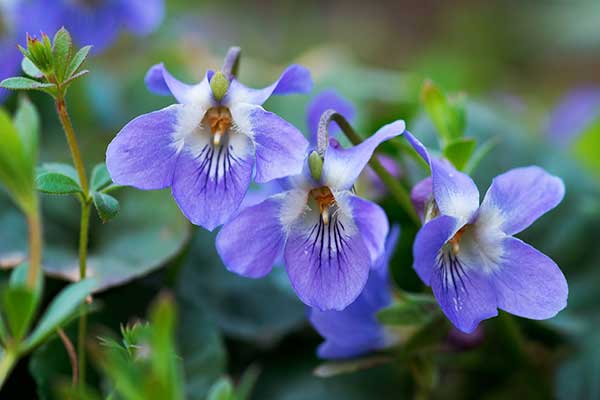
{"x":61,"y":52}
{"x":68,"y":82}
{"x":411,"y":310}
{"x":106,"y":205}
{"x":59,"y":168}
{"x":448,"y":118}
{"x":22,"y":83}
{"x":64,"y":305}
{"x":221,"y":390}
{"x":18,"y":306}
{"x":77,"y":61}
{"x":586,"y":145}
{"x":459,"y":152}
{"x":30,"y":69}
{"x":57,"y":183}
{"x":480,"y":153}
{"x":150,"y":222}
{"x":100,"y":177}
{"x":16,"y":169}
{"x":247,"y":382}
{"x":27,"y":123}
{"x":19,"y":278}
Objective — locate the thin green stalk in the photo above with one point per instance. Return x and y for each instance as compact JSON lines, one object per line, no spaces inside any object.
{"x":34,"y":223}
{"x":395,"y":188}
{"x":7,"y":363}
{"x":61,"y":109}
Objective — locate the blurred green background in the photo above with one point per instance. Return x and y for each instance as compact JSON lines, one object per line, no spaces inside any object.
{"x":513,"y":60}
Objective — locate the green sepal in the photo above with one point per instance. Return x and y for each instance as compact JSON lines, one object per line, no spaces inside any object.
{"x":219,"y":84}
{"x":100,"y":177}
{"x":315,"y":165}
{"x":107,"y":206}
{"x":459,"y":152}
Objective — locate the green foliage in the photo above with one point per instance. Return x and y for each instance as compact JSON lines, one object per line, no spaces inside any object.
{"x":448,"y":115}
{"x":106,"y":206}
{"x":57,"y":183}
{"x":60,"y":310}
{"x":16,"y":160}
{"x":100,"y":177}
{"x":586,"y":147}
{"x":27,"y":123}
{"x":459,"y":152}
{"x":61,"y":53}
{"x":222,"y":390}
{"x":413,"y":309}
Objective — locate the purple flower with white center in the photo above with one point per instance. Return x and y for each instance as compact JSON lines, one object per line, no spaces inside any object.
{"x":95,"y":22}
{"x":355,"y":330}
{"x":467,"y":253}
{"x":575,"y":113}
{"x":205,"y":147}
{"x":330,"y":238}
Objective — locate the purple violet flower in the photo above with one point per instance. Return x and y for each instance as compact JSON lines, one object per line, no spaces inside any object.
{"x":205,"y":147}
{"x":355,"y":330}
{"x":330,"y":237}
{"x":467,"y":253}
{"x":95,"y":22}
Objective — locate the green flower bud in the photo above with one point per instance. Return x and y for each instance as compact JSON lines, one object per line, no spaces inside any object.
{"x":39,"y":52}
{"x":219,"y":85}
{"x":315,"y":164}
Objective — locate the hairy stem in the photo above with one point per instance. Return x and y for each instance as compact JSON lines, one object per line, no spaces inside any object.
{"x":395,"y":188}
{"x":34,"y":223}
{"x":61,"y":109}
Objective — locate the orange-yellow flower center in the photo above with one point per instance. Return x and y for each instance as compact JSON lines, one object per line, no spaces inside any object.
{"x":325,"y":200}
{"x":454,"y":242}
{"x":219,"y":120}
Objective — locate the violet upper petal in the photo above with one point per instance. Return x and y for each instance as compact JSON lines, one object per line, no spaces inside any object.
{"x":209,"y":183}
{"x":328,"y":264}
{"x":428,"y":244}
{"x":295,"y":79}
{"x":420,"y":195}
{"x":280,"y":147}
{"x":251,"y":241}
{"x":327,"y":100}
{"x":520,"y":196}
{"x":159,"y":81}
{"x":144,"y":154}
{"x":455,"y":193}
{"x":341,"y":167}
{"x":528,"y":283}
{"x":372,"y":223}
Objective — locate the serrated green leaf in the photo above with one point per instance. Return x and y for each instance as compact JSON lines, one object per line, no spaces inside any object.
{"x":64,"y":305}
{"x":77,"y":61}
{"x":16,"y":169}
{"x":30,"y":69}
{"x":411,"y":310}
{"x":59,"y":168}
{"x":61,"y":52}
{"x":221,"y":390}
{"x":106,"y":205}
{"x":57,"y":183}
{"x":100,"y":177}
{"x":68,"y":82}
{"x":22,"y":83}
{"x":27,"y":123}
{"x":459,"y":152}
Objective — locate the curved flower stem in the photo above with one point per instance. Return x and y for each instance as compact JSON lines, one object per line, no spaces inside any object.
{"x":395,"y":188}
{"x":65,"y":120}
{"x":72,"y":354}
{"x":231,"y":64}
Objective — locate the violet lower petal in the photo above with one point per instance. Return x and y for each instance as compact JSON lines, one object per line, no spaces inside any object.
{"x":328,"y":264}
{"x":295,"y":79}
{"x":251,"y":241}
{"x":372,"y":223}
{"x":528,"y":283}
{"x":520,"y":196}
{"x":280,"y":147}
{"x":143,"y":154}
{"x":209,"y":185}
{"x":341,"y":167}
